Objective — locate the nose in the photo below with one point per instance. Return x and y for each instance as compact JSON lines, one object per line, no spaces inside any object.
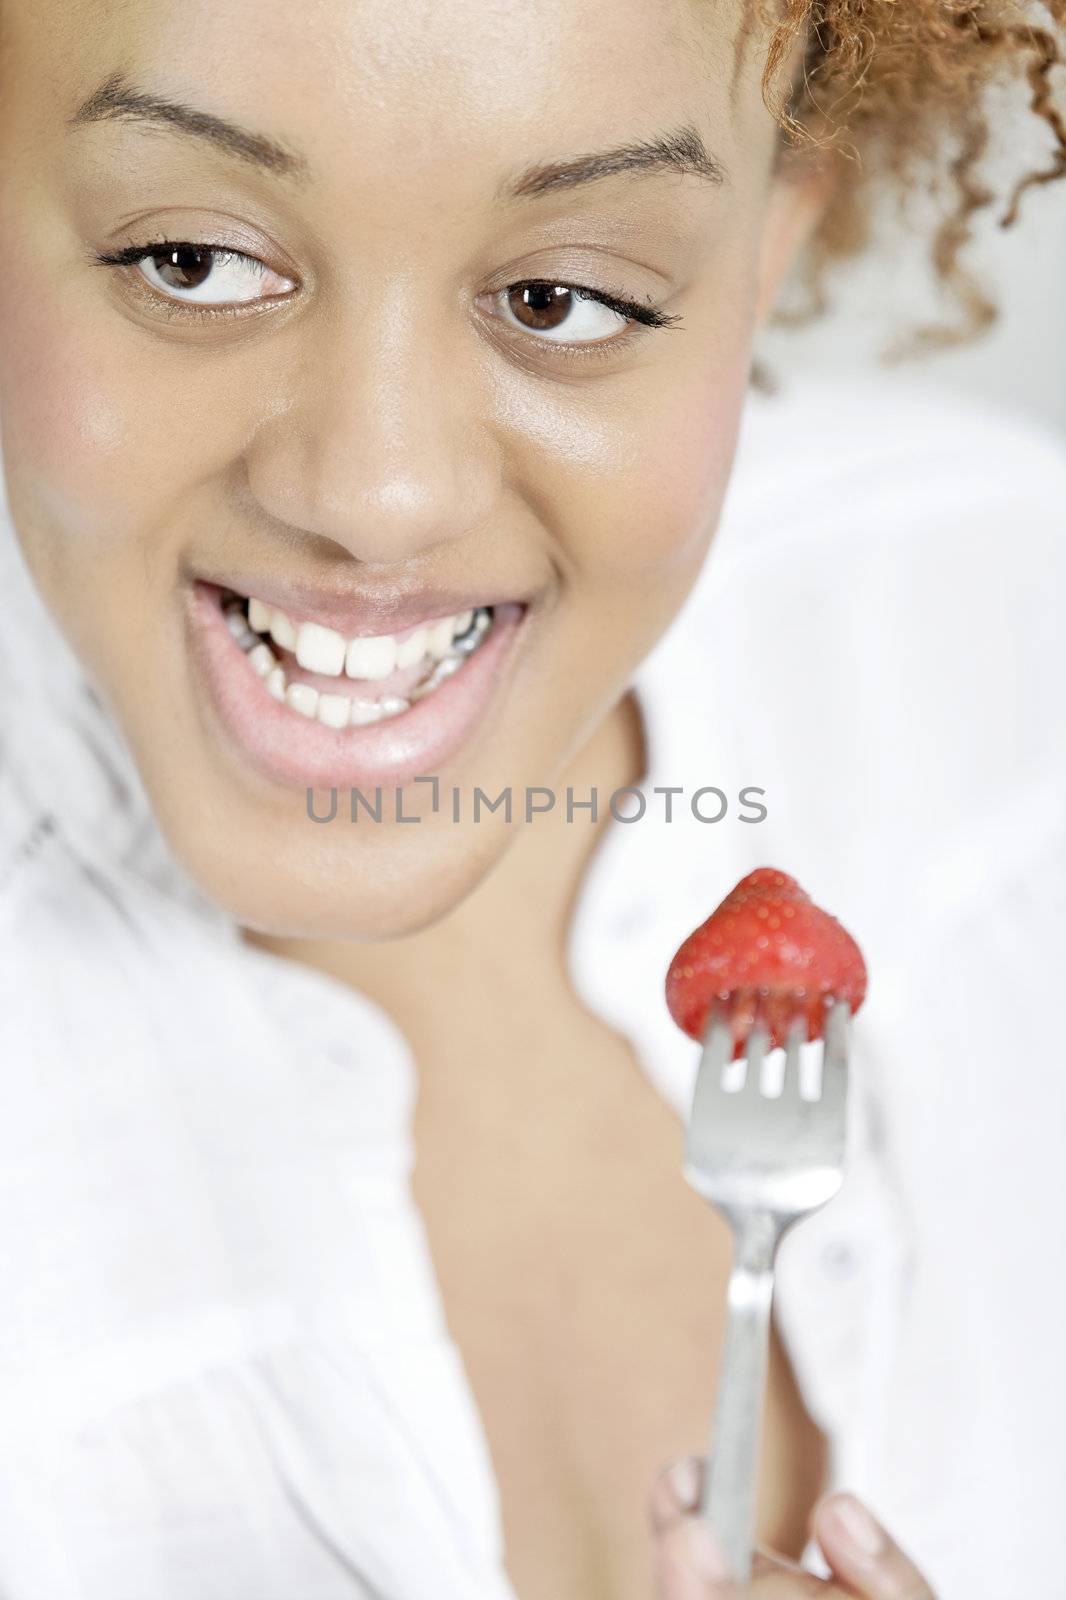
{"x":371,"y":436}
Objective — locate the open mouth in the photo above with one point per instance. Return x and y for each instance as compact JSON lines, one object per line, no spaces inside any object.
{"x":314,"y":704}
{"x":351,"y":682}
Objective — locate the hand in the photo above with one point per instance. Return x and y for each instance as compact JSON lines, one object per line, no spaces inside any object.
{"x":865,"y":1561}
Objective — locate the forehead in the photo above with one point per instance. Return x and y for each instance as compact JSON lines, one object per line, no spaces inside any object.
{"x":405,"y":80}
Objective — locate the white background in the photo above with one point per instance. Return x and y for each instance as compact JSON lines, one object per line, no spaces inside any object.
{"x":1020,"y":363}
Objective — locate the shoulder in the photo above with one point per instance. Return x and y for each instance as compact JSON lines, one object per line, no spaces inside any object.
{"x":70,"y":797}
{"x":894,"y":475}
{"x":892,"y":558}
{"x":889,"y":440}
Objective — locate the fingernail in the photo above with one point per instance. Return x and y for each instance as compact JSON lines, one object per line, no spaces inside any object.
{"x":698,"y":1547}
{"x":684,"y":1480}
{"x":856,"y":1525}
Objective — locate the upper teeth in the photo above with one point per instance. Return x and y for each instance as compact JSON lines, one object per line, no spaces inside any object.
{"x":322,"y":649}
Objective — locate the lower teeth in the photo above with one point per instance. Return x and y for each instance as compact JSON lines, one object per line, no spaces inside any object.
{"x":337,"y":710}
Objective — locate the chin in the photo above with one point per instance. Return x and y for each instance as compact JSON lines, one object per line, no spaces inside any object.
{"x":338,"y":880}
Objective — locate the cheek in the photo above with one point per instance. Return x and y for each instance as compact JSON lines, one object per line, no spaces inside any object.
{"x":671,"y":488}
{"x":103,"y":438}
{"x":69,"y":424}
{"x":102,"y":449}
{"x":637,"y":483}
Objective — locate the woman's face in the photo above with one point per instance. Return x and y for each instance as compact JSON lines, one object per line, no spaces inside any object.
{"x":289,"y":313}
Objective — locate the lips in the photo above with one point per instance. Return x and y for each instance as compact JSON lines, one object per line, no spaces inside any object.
{"x":263,"y":728}
{"x":354,"y":611}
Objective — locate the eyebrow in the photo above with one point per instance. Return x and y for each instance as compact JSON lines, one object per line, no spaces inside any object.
{"x":682,"y":151}
{"x":118,"y":100}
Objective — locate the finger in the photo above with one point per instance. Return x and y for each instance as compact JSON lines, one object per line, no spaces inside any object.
{"x":675,"y":1493}
{"x":691,"y":1567}
{"x":863,"y":1555}
{"x":780,"y":1584}
{"x":688,"y":1563}
{"x":796,"y":1581}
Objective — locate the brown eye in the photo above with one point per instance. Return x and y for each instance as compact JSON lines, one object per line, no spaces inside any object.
{"x":560,"y":313}
{"x":184,"y":267}
{"x":209,"y":275}
{"x":541,"y":306}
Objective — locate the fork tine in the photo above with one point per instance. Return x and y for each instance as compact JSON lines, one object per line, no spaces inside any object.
{"x":790,"y":1086}
{"x":717,"y":1038}
{"x":717,"y":1049}
{"x":758,"y":1039}
{"x":835,"y":1057}
{"x":707,"y":1096}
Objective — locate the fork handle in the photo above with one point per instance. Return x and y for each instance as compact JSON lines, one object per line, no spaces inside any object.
{"x":729,"y":1485}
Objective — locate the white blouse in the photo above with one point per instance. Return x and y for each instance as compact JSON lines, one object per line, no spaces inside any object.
{"x":224,"y":1368}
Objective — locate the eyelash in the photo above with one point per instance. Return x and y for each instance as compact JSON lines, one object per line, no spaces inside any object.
{"x":645,"y":315}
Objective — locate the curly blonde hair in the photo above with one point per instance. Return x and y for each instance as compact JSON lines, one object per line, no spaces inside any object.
{"x":900,"y":89}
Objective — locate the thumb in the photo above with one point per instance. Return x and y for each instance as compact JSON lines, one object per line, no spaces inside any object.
{"x":688,"y":1562}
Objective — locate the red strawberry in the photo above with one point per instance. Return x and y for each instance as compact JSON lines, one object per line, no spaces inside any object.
{"x":768,"y":954}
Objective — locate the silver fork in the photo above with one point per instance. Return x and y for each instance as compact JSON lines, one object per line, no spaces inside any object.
{"x":764,"y":1163}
